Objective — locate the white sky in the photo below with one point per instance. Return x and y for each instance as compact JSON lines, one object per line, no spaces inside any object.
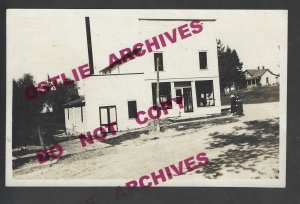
{"x":52,"y":42}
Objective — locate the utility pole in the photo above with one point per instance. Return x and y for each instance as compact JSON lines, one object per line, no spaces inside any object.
{"x":41,"y":137}
{"x":157,"y":94}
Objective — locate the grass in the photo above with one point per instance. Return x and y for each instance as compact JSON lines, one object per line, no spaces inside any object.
{"x":254,"y":95}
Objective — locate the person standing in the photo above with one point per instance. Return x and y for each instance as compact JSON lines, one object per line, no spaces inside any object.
{"x":233,"y":104}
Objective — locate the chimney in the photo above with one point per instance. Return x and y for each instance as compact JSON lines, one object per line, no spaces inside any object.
{"x":258,"y":68}
{"x":263,"y":67}
{"x":89,"y":43}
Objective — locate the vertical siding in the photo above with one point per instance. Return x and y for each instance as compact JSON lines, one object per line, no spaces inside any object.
{"x":74,"y":124}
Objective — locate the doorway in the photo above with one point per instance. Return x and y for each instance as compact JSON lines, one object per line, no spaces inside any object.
{"x":108,"y":118}
{"x":184,"y":89}
{"x":188,"y":100}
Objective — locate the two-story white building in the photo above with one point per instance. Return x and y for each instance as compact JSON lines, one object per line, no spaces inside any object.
{"x":187,"y":68}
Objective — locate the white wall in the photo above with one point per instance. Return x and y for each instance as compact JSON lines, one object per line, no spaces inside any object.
{"x":117,"y":90}
{"x":272,"y":79}
{"x":68,"y":121}
{"x":247,"y":75}
{"x":74,"y":125}
{"x":181,"y":63}
{"x":181,"y":59}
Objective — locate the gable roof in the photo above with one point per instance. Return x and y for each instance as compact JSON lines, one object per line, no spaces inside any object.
{"x":114,"y":65}
{"x":257,"y":73}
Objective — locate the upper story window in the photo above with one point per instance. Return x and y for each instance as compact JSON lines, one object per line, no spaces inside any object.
{"x":203,"y":60}
{"x":132,"y":109}
{"x":158,"y":57}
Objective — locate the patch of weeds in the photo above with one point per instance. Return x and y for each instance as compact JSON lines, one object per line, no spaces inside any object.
{"x":198,"y":172}
{"x":217,"y":174}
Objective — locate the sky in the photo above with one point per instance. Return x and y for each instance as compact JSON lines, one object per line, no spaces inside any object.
{"x":43,"y":42}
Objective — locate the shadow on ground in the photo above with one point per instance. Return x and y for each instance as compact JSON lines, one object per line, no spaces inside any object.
{"x":261,"y":143}
{"x":181,"y":127}
{"x":200,"y":124}
{"x":124,"y":137}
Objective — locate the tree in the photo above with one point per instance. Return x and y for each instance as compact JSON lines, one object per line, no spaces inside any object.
{"x":64,"y":94}
{"x":27,"y":114}
{"x":57,"y":98}
{"x":230,"y":67}
{"x":25,"y":117}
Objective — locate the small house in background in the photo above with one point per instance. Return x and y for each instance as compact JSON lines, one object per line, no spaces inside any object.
{"x":75,"y":116}
{"x":261,"y":77}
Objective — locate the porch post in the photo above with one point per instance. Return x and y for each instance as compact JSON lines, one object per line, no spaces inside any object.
{"x":173,"y":93}
{"x":194,"y":95}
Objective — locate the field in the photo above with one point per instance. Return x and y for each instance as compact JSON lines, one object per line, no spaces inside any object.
{"x":254,"y":95}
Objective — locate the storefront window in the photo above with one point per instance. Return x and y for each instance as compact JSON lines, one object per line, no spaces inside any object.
{"x":205,"y":93}
{"x":164,"y":94}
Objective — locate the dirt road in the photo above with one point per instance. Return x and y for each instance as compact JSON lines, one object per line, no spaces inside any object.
{"x":237,"y":147}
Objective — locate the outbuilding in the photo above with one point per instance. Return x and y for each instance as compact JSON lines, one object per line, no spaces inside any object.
{"x":75,"y":116}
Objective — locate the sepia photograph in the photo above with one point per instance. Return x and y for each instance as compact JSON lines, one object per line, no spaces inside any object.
{"x":146,"y":98}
